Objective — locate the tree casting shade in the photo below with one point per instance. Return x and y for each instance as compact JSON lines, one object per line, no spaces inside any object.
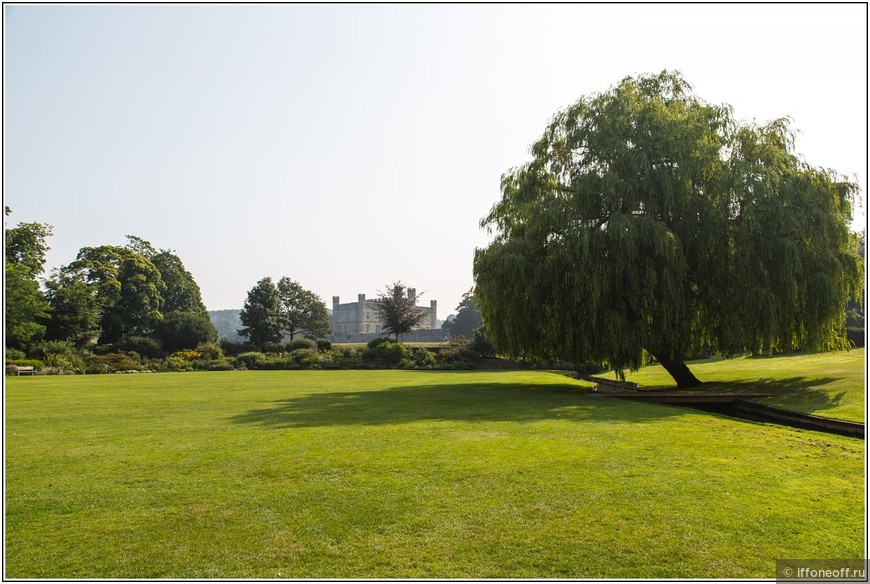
{"x":649,"y":222}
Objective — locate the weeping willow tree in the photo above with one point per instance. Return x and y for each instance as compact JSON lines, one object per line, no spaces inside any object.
{"x":650,"y":223}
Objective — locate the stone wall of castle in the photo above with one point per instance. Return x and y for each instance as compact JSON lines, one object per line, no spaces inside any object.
{"x":361,"y":317}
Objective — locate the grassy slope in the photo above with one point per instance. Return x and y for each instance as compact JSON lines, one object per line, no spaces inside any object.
{"x":828,"y":384}
{"x":407,"y":474}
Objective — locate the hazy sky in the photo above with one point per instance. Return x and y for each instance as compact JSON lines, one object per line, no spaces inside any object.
{"x":349,"y":146}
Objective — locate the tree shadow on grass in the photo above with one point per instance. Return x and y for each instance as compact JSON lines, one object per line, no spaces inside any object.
{"x":806,"y":392}
{"x":470,"y":402}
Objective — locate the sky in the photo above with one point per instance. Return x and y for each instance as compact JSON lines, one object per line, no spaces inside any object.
{"x":351,"y":146}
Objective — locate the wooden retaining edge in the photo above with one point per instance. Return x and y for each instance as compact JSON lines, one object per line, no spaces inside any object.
{"x":809,"y":421}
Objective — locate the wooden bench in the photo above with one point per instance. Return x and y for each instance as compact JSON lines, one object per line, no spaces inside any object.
{"x":24,"y":370}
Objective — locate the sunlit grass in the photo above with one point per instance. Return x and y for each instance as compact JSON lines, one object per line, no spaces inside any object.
{"x":825,"y":384}
{"x":393,"y":474}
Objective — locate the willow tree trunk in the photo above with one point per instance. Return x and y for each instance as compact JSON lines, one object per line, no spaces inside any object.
{"x":680,"y":372}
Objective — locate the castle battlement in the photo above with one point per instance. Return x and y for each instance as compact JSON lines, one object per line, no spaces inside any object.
{"x":361,"y":317}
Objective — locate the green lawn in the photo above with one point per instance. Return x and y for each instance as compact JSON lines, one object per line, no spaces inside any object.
{"x":394,"y":474}
{"x":825,"y":384}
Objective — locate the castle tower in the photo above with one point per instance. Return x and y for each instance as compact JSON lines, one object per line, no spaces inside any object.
{"x":433,"y":314}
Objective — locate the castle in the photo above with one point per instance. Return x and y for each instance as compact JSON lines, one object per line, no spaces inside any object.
{"x":359,"y":321}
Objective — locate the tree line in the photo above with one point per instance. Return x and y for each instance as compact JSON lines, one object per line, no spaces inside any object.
{"x":133,"y":297}
{"x":131,"y":306}
{"x":648,"y":225}
{"x":273,"y":312}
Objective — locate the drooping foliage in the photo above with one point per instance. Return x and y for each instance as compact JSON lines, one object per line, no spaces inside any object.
{"x":651,"y":222}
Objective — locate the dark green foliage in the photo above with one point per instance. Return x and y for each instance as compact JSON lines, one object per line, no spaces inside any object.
{"x":422,"y":358}
{"x":75,"y":308}
{"x":276,"y":348}
{"x":481,"y":345}
{"x":374,"y":343}
{"x":302,"y":311}
{"x":297,"y":359}
{"x":127,"y":288}
{"x":148,"y":347}
{"x":60,"y":354}
{"x":210,"y":350}
{"x":468,"y":318}
{"x":234,"y":348}
{"x":37,"y":364}
{"x":305,"y":359}
{"x":343,"y":357}
{"x":181,"y":293}
{"x":456,"y":355}
{"x":113,"y":292}
{"x":398,"y":313}
{"x":250,"y":359}
{"x":185,"y":330}
{"x":300,"y":344}
{"x":324,"y":345}
{"x":26,"y":246}
{"x":386,"y":354}
{"x":206,"y":357}
{"x":651,"y":222}
{"x":14,"y":354}
{"x":25,"y":307}
{"x":261,"y":315}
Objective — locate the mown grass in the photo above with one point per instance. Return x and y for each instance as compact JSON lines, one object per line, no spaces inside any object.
{"x":824,"y":384}
{"x":403,"y":474}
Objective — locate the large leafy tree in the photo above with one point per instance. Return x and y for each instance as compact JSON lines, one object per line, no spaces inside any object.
{"x":25,"y":305}
{"x":112,"y":292}
{"x":261,"y":314}
{"x":27,"y":244}
{"x":185,"y":323}
{"x":398,"y":313}
{"x":76,"y":310}
{"x":26,"y":308}
{"x":649,"y":222}
{"x":181,"y":293}
{"x":126,"y":286}
{"x":302,"y":311}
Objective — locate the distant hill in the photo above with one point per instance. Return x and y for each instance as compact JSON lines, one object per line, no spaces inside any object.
{"x":227,"y":323}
